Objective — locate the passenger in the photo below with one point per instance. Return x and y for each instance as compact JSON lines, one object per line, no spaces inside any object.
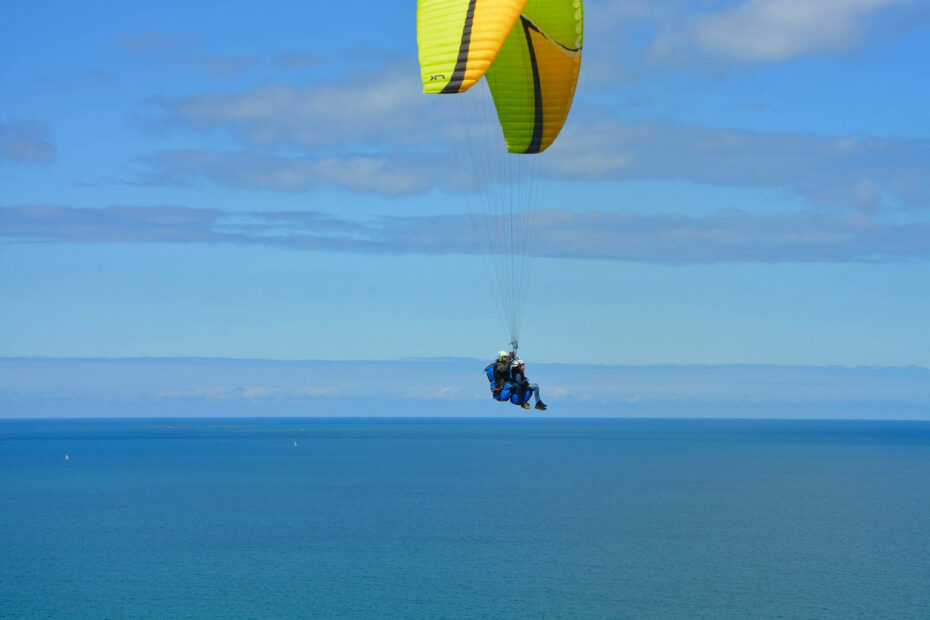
{"x":522,"y":384}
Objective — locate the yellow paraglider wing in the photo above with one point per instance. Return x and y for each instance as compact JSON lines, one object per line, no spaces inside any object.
{"x":533,"y":78}
{"x":529,"y":51}
{"x":459,"y":39}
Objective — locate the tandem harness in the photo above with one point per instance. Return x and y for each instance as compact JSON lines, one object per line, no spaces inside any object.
{"x":509,"y":390}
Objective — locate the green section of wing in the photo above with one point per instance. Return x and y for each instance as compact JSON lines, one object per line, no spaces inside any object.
{"x":529,"y":51}
{"x":440,"y":25}
{"x":560,"y":20}
{"x":510,"y":79}
{"x":533,"y":77}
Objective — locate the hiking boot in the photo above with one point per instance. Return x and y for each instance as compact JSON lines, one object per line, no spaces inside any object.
{"x":541,"y":406}
{"x":525,"y":405}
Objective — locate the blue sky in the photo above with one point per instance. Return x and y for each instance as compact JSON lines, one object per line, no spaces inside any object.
{"x":739,"y":182}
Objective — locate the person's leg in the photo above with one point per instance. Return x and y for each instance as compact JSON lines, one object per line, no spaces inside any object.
{"x":535,"y":389}
{"x":505,"y":392}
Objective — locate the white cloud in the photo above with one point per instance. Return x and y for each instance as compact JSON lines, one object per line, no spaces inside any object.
{"x":174,"y":48}
{"x":370,"y":107}
{"x":370,"y":173}
{"x":26,"y":141}
{"x":376,"y":132}
{"x":729,"y":236}
{"x":773,"y":30}
{"x":862,"y":174}
{"x":726,"y":236}
{"x":153,"y":42}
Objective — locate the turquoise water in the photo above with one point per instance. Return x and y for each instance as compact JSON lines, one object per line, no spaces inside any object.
{"x":531,"y":518}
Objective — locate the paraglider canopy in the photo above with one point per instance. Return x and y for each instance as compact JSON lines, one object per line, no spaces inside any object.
{"x":529,"y":52}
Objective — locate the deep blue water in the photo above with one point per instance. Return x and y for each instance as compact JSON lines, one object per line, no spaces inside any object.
{"x":531,"y":518}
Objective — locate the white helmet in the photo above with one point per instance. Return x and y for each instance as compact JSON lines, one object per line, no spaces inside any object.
{"x":516,"y":362}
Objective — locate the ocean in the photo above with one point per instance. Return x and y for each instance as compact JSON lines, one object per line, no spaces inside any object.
{"x":530,"y":517}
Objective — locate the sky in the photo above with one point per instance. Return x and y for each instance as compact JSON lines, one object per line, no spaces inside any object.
{"x":739,"y":182}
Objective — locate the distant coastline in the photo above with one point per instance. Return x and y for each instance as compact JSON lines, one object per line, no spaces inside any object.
{"x":449,"y":387}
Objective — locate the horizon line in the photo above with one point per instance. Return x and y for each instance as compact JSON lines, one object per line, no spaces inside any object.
{"x":208,"y":358}
{"x":474,"y":418}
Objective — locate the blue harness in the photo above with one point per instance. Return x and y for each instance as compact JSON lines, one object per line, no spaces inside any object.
{"x":509,"y":391}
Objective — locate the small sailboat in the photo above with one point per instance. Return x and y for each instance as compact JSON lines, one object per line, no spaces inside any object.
{"x":67,"y":458}
{"x":295,"y":443}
